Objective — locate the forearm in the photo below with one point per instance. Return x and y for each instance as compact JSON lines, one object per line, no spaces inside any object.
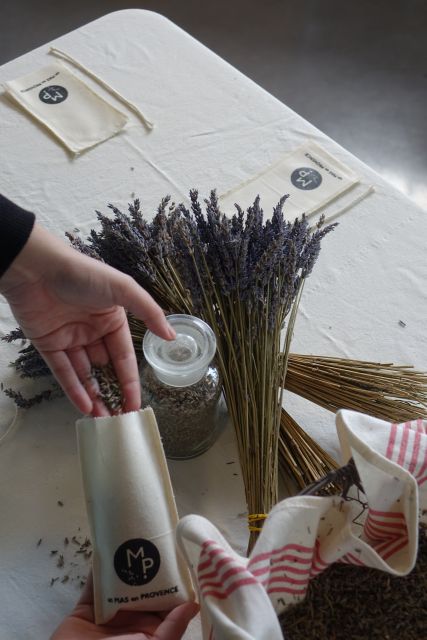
{"x":42,"y":255}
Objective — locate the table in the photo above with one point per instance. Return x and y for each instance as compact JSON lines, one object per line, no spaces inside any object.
{"x":214,"y":128}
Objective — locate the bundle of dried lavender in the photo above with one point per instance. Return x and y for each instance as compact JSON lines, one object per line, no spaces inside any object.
{"x":382,"y":390}
{"x":242,"y":276}
{"x":302,"y":460}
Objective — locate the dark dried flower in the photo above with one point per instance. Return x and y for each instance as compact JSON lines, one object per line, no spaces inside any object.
{"x":109,"y":387}
{"x":80,"y":246}
{"x":27,"y":403}
{"x":15,"y":334}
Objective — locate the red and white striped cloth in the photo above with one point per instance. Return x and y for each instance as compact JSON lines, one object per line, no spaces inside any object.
{"x":241,"y":597}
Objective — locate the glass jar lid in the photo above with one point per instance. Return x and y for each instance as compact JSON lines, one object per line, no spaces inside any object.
{"x":185,"y":360}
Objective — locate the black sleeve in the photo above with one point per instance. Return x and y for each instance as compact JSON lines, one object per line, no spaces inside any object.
{"x":16,"y":225}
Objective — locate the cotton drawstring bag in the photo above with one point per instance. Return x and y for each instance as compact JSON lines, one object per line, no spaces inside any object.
{"x":241,"y":598}
{"x":310,"y":175}
{"x":66,"y":106}
{"x":132,"y":516}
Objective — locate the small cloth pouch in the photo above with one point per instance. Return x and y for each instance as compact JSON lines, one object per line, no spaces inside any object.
{"x":311,"y":177}
{"x":69,"y":108}
{"x":132,"y":516}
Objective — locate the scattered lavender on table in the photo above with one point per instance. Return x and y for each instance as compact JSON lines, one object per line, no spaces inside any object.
{"x":73,"y":561}
{"x":27,"y":403}
{"x":15,"y":334}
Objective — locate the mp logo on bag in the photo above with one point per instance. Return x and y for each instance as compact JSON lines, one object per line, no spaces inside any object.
{"x":306,"y":178}
{"x":54,"y":94}
{"x":137,"y":561}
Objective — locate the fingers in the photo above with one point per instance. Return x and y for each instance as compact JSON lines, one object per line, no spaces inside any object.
{"x":135,"y":299}
{"x":81,"y":359}
{"x":176,"y":622}
{"x":99,"y":409}
{"x":98,"y":355}
{"x":72,"y":369}
{"x":63,"y":370}
{"x":122,"y":354}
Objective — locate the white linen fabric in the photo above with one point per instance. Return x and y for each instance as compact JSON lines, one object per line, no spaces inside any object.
{"x":132,"y":516}
{"x":241,"y":598}
{"x":67,"y":107}
{"x":214,"y":128}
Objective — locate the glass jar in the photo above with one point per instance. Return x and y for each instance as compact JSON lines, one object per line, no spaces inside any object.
{"x":182,"y":385}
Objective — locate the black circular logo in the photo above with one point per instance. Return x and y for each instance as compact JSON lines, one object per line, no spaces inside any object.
{"x":53,"y":94}
{"x":306,"y":178}
{"x":137,"y":561}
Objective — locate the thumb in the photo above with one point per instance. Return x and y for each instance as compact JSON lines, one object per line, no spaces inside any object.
{"x":176,"y":622}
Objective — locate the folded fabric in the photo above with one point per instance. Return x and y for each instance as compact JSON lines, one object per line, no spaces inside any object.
{"x":242,"y":597}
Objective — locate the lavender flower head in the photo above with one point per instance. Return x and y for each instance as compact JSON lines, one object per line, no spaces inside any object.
{"x":251,"y":262}
{"x":260,"y":264}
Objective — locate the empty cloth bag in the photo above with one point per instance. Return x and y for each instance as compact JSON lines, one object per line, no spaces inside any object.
{"x":241,"y":598}
{"x":69,"y":108}
{"x":132,"y":516}
{"x":310,"y":176}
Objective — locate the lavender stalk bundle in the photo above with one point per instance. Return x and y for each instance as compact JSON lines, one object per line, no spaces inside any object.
{"x":242,"y":276}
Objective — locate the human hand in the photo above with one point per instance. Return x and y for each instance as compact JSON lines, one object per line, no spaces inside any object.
{"x":126,"y":625}
{"x":72,"y":308}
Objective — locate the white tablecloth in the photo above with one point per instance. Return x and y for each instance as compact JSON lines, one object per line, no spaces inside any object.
{"x":214,"y":128}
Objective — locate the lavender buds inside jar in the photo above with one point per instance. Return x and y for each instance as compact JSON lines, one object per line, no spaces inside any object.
{"x":183,"y":387}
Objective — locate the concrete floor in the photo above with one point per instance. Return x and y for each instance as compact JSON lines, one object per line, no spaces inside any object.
{"x":357,"y":70}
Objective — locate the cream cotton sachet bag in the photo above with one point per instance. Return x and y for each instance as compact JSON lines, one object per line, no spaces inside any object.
{"x":67,"y":107}
{"x":132,"y":516}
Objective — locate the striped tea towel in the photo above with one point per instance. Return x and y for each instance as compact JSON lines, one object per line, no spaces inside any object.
{"x":242,"y":597}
